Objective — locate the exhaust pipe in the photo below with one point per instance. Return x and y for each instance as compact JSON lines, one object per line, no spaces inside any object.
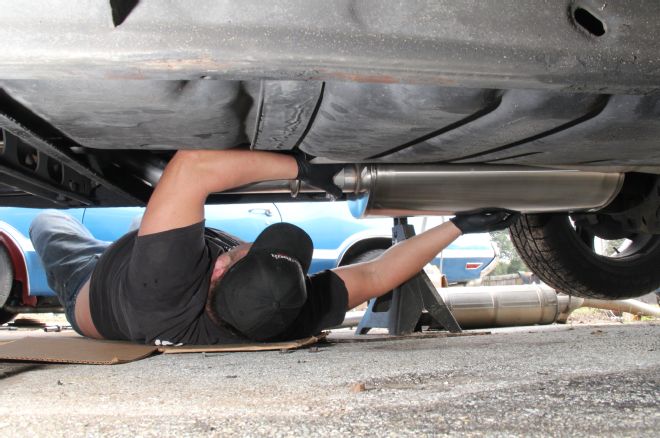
{"x":519,"y":305}
{"x":415,"y":190}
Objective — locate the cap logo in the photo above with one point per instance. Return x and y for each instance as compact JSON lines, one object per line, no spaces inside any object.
{"x":283,"y":257}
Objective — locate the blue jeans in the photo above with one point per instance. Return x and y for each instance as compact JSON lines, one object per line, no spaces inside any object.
{"x":68,"y":252}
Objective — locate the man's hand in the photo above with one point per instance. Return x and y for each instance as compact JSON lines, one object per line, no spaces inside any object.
{"x":318,"y":175}
{"x":481,"y":221}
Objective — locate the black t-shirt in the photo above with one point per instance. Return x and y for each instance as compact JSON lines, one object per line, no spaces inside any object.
{"x":153,"y":289}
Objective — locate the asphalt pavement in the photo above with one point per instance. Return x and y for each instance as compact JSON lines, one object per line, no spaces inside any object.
{"x":530,"y":381}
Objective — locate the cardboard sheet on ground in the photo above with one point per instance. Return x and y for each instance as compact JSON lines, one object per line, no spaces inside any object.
{"x":70,"y":349}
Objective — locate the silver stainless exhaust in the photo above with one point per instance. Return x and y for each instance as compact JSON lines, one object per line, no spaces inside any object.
{"x":414,"y":190}
{"x":409,"y":190}
{"x":519,"y":305}
{"x":498,"y":306}
{"x":502,"y":306}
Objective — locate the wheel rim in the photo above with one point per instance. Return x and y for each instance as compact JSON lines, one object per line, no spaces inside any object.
{"x":616,"y":250}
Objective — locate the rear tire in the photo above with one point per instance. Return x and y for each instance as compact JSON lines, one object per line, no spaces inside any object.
{"x":6,"y":283}
{"x":562,"y":257}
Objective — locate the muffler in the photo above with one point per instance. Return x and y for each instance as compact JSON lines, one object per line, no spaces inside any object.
{"x":517,"y":305}
{"x":417,"y":190}
{"x":410,"y":190}
{"x":497,"y":306}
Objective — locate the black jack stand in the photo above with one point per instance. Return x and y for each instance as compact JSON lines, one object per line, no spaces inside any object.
{"x":410,"y":306}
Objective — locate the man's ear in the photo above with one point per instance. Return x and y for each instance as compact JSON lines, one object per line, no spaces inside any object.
{"x":220,"y":267}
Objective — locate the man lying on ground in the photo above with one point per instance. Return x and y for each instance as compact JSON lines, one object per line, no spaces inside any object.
{"x":174,"y":281}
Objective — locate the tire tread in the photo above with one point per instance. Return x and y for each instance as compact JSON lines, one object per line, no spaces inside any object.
{"x":558,"y":260}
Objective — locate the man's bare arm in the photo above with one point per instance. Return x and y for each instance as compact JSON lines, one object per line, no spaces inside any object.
{"x":396,"y":265}
{"x":192,"y":175}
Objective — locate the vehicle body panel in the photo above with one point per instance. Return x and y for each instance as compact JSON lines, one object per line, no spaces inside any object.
{"x":469,"y":43}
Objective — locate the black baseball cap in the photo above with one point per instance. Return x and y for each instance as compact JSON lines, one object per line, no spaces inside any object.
{"x":262,"y":294}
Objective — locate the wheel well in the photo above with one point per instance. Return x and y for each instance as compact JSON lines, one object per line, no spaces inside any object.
{"x":362,"y":246}
{"x":18,"y":264}
{"x":633,"y":211}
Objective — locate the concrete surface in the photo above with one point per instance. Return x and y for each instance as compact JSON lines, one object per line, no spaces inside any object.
{"x":549,"y":381}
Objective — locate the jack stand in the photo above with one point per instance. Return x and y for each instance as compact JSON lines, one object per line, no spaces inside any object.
{"x":402,"y":311}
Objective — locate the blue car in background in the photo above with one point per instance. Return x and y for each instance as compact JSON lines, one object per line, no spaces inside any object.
{"x":338,"y":239}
